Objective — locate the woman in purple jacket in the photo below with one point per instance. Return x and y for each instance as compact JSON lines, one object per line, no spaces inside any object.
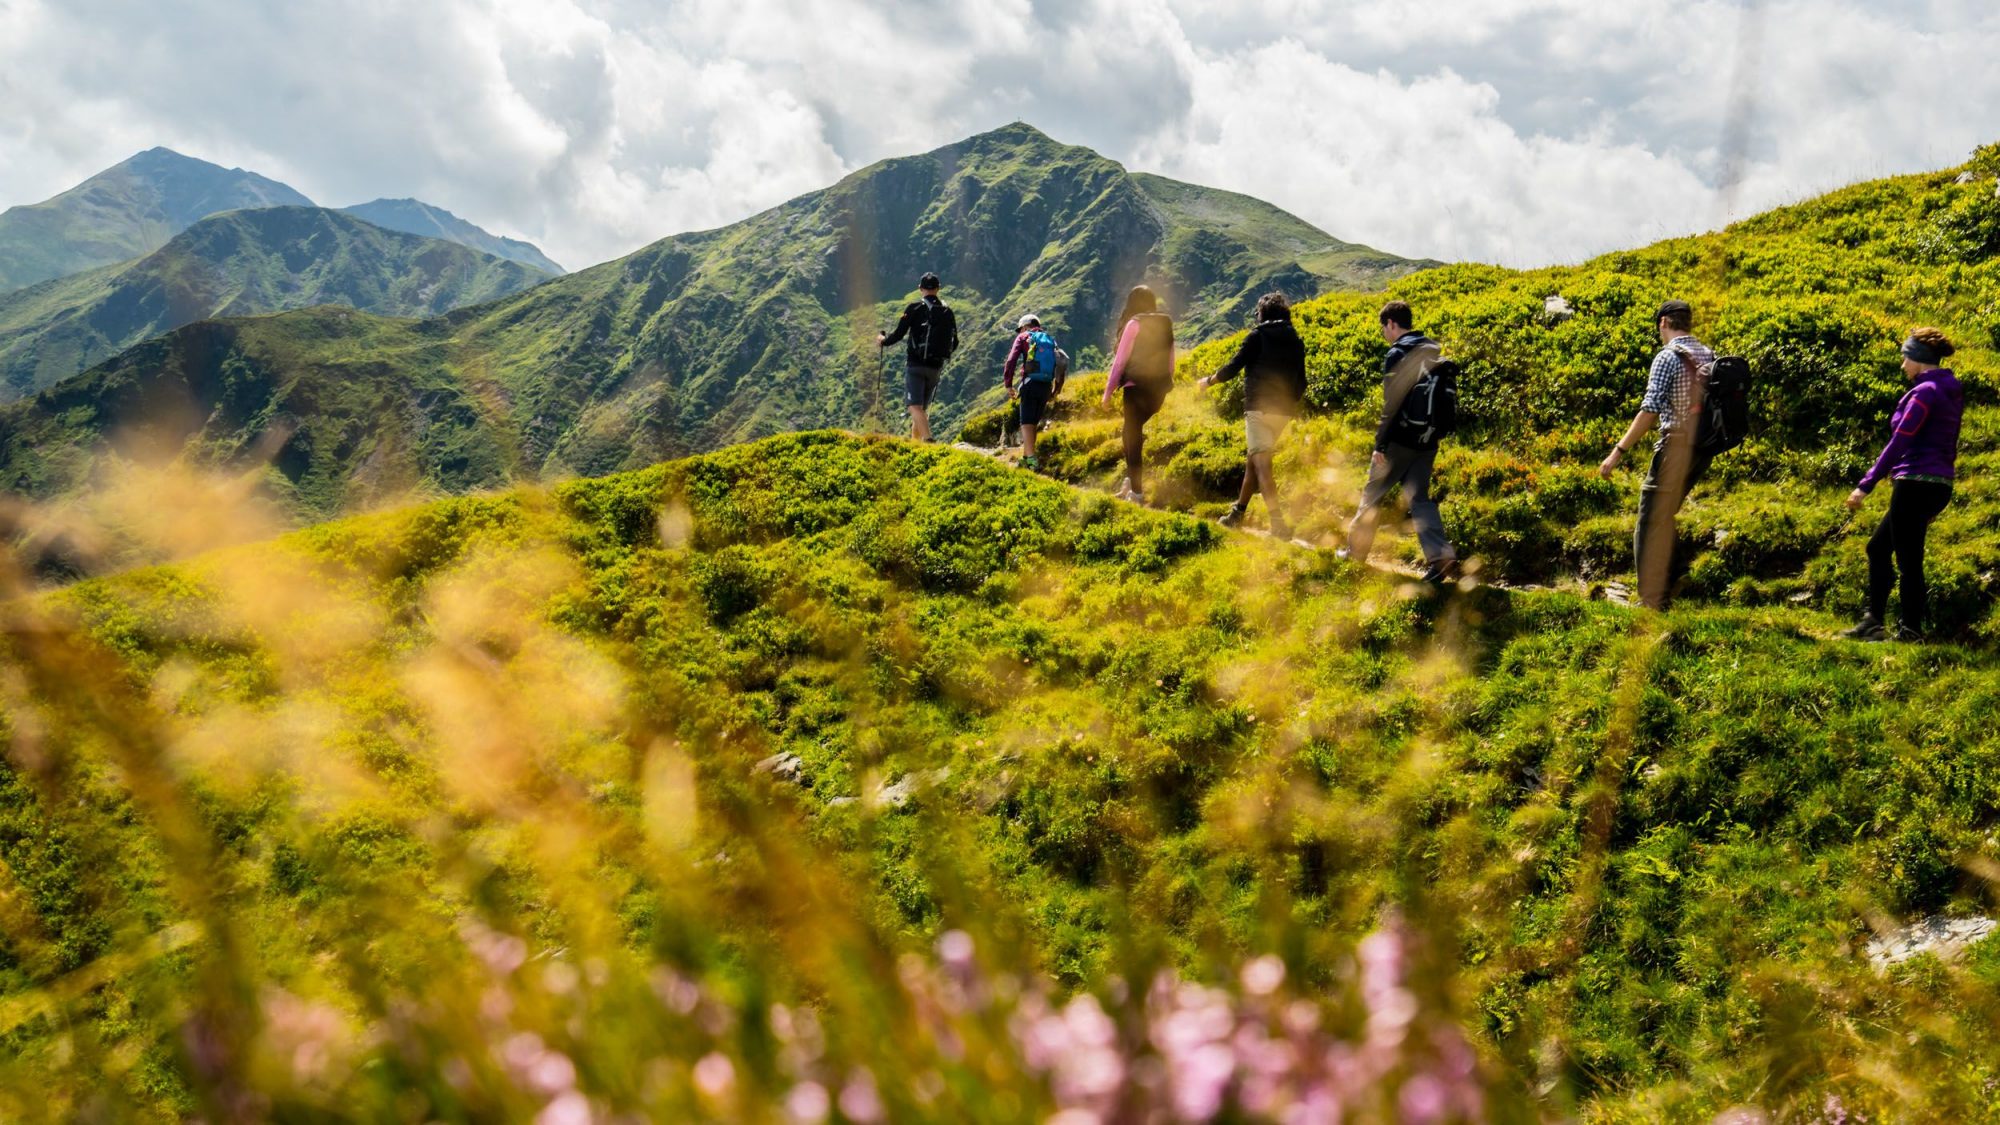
{"x":1921,"y":461}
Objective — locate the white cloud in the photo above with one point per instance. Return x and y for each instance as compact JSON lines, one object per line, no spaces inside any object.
{"x":1522,"y":131}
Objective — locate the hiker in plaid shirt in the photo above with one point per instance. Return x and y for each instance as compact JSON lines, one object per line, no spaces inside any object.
{"x":1677,"y":466}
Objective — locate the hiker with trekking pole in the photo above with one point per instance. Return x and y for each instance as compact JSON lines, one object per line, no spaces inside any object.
{"x":1042,"y":366}
{"x":1921,"y":462}
{"x":932,"y":333}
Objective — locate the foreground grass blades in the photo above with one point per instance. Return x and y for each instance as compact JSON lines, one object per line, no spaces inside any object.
{"x":652,"y":794}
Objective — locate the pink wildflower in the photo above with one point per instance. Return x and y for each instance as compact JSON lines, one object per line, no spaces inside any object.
{"x":714,"y":1075}
{"x":1422,"y":1100}
{"x":571,"y":1108}
{"x":955,"y":949}
{"x":859,"y":1100}
{"x":1262,"y":976}
{"x":808,"y":1101}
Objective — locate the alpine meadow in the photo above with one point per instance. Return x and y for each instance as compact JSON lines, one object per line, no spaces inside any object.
{"x":557,"y":698}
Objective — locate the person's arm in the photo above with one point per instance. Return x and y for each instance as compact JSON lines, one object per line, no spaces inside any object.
{"x":1014,"y":357}
{"x":1246,"y":354}
{"x":902,"y":329}
{"x":1659,"y":384}
{"x":1907,"y":424}
{"x":1642,"y":422}
{"x":1116,"y":377}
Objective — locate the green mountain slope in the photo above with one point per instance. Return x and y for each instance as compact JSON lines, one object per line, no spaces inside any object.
{"x":124,"y":212}
{"x":652,"y":794}
{"x":413,"y":216}
{"x":1817,"y":296}
{"x":768,"y":326}
{"x":240,"y":263}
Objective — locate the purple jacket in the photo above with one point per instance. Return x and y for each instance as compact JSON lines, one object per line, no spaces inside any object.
{"x":1925,"y":441}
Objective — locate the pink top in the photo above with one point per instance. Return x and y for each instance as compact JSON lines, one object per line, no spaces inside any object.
{"x":1014,"y":356}
{"x":1116,"y":378}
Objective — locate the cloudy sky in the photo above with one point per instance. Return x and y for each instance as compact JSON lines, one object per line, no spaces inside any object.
{"x":1517,"y":131}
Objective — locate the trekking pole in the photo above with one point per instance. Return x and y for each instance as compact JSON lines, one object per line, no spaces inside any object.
{"x":881,"y":369}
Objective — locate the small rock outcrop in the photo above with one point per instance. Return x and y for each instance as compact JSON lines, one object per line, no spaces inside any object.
{"x":1945,"y":938}
{"x":785,"y":767}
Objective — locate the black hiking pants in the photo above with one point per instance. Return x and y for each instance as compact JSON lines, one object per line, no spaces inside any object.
{"x":1142,"y":401}
{"x":1898,"y":544}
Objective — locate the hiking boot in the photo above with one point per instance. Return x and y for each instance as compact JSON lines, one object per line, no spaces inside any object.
{"x":1868,"y":629}
{"x":1907,"y":635}
{"x":1233,"y":517}
{"x":1441,"y":573}
{"x":1031,"y":463}
{"x":1124,"y":490}
{"x":1343,"y":554}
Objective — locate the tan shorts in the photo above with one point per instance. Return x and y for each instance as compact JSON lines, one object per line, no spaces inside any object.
{"x":1262,"y":428}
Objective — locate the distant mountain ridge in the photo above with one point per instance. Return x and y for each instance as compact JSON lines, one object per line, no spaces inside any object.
{"x":134,"y":207}
{"x":709,"y":338}
{"x":126,"y":211}
{"x":240,"y":263}
{"x":414,"y":216}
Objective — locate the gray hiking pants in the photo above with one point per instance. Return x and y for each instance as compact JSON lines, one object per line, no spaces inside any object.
{"x":1410,"y":468}
{"x":1674,"y":472}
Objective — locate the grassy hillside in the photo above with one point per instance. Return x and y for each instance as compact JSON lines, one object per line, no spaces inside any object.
{"x":414,"y":216}
{"x":768,"y":326}
{"x":1817,"y":296}
{"x":652,"y":794}
{"x":327,"y":407}
{"x":126,"y":211}
{"x":241,"y":263}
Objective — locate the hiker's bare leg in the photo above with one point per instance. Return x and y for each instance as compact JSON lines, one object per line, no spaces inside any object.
{"x":920,"y":423}
{"x":1249,"y":488}
{"x":1028,"y":439}
{"x":1260,"y":464}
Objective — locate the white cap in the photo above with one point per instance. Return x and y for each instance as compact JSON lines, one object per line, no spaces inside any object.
{"x":1029,"y":319}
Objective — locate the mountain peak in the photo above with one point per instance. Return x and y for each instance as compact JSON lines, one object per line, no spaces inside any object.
{"x":1014,"y":134}
{"x":124,"y":212}
{"x":414,"y":216}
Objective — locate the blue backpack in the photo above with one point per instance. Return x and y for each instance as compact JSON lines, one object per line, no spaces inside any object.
{"x":1040,"y":362}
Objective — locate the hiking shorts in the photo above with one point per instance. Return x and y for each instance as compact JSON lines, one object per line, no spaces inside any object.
{"x":1143,"y":400}
{"x":1035,"y":396}
{"x":920,"y":385}
{"x":1261,"y":429}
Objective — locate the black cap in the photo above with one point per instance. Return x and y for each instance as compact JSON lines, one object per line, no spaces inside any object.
{"x":1675,"y":309}
{"x":928,"y":281}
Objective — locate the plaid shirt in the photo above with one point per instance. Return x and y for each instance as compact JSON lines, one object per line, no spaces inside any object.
{"x":1670,"y":385}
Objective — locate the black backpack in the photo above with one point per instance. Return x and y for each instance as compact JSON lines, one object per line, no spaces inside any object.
{"x":933,"y":337}
{"x":1430,"y":411}
{"x":1725,"y":404}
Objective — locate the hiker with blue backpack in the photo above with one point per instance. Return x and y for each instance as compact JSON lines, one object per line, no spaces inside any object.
{"x":1697,"y":401}
{"x":1921,"y":462}
{"x":932,"y":330}
{"x":1272,"y":359}
{"x":1042,"y":366}
{"x":1419,"y":408}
